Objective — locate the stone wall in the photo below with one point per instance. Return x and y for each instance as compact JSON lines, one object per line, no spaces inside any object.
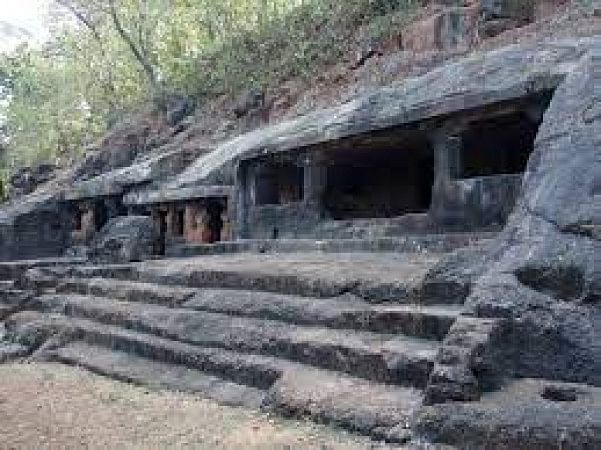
{"x":478,"y":202}
{"x":291,"y":220}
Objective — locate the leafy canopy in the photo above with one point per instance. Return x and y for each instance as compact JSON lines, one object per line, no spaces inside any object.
{"x":108,"y":57}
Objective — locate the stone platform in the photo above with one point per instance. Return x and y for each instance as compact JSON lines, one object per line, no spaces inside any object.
{"x":343,"y":338}
{"x":349,"y":339}
{"x":419,"y":243}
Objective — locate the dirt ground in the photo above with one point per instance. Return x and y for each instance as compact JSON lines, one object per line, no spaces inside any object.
{"x":51,"y":406}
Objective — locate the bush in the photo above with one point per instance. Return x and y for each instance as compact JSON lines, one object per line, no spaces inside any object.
{"x":297,"y":44}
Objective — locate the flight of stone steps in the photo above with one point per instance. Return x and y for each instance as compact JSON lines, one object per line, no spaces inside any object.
{"x":12,"y":300}
{"x":298,"y":346}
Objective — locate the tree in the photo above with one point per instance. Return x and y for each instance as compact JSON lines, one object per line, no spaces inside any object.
{"x":106,"y":58}
{"x":86,"y":18}
{"x":139,"y":42}
{"x":138,"y":37}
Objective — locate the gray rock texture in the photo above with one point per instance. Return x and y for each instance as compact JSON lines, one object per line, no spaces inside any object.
{"x":542,"y":280}
{"x":519,"y":417}
{"x":33,"y":226}
{"x":125,"y":239}
{"x":27,"y":179}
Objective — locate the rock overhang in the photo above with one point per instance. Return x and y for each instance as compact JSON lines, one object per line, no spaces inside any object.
{"x":476,"y":81}
{"x":467,"y":84}
{"x":154,"y":196}
{"x":119,"y":181}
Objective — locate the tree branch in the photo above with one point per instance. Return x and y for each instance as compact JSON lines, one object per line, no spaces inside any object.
{"x":146,"y":66}
{"x":82,"y":18}
{"x":108,"y":86}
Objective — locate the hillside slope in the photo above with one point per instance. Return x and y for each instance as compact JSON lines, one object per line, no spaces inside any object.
{"x":416,"y":49}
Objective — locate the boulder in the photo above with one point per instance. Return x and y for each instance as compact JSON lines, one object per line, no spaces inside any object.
{"x":125,"y":239}
{"x":448,"y":29}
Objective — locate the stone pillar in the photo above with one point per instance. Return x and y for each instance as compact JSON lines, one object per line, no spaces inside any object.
{"x":448,"y":204}
{"x":252,"y":172}
{"x":88,"y":221}
{"x":314,"y":183}
{"x":241,"y":201}
{"x":190,"y":222}
{"x":315,"y":178}
{"x":170,"y":221}
{"x":447,"y":156}
{"x":226,"y":231}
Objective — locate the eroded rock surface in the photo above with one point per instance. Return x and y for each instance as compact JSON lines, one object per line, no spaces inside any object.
{"x":541,"y":284}
{"x":125,"y":239}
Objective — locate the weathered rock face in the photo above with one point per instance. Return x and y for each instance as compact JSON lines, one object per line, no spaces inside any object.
{"x":27,"y":179}
{"x":451,"y":28}
{"x":125,"y":239}
{"x":481,"y":79}
{"x":33,"y":226}
{"x":542,"y":283}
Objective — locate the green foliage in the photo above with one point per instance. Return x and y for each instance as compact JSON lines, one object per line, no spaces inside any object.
{"x":291,"y":42}
{"x":123,"y":53}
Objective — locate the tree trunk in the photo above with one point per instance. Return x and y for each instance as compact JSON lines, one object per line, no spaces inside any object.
{"x":138,"y":53}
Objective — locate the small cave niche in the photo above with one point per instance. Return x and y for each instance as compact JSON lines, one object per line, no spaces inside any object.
{"x":502,"y":144}
{"x":215,"y":222}
{"x":77,"y":219}
{"x":101,"y":214}
{"x":279,"y":184}
{"x":498,"y":146}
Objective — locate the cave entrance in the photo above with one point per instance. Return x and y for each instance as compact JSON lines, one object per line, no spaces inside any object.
{"x":379,"y":176}
{"x":498,"y":146}
{"x":214,"y":221}
{"x":279,"y":183}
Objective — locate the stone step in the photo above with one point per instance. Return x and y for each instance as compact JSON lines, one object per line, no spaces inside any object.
{"x":431,"y":322}
{"x":9,"y":351}
{"x":522,"y":414}
{"x":396,"y":278}
{"x":12,"y":270}
{"x":7,"y":284}
{"x":131,"y":291}
{"x":401,"y":243}
{"x":130,"y":368}
{"x":379,"y":357}
{"x":14,"y":297}
{"x":13,"y":300}
{"x":257,"y":371}
{"x":381,"y":411}
{"x":5,"y":311}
